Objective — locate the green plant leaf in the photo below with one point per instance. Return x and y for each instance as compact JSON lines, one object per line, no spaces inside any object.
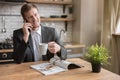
{"x":97,"y":54}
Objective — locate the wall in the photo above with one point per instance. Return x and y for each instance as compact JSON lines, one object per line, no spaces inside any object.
{"x":86,"y":27}
{"x":13,"y":19}
{"x":88,"y":21}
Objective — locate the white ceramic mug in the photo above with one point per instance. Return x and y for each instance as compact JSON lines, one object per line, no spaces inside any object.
{"x":43,"y":48}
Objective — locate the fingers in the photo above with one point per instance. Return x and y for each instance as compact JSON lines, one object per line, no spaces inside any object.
{"x":53,"y":47}
{"x":27,"y":26}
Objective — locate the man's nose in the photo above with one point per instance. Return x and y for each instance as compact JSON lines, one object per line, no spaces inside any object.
{"x":34,"y":18}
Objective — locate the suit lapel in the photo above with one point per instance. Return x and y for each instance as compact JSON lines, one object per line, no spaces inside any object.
{"x":43,"y":34}
{"x":31,"y":45}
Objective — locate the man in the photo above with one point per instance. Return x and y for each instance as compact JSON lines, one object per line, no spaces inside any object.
{"x":24,"y":40}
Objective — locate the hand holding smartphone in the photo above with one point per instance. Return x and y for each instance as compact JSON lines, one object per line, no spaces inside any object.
{"x":27,"y":28}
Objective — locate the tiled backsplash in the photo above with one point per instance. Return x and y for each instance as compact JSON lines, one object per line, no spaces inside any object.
{"x":13,"y":19}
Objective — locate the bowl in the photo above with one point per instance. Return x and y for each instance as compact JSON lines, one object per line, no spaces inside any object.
{"x":63,"y":16}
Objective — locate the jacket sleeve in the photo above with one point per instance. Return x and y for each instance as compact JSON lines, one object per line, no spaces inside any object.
{"x":62,"y":53}
{"x":19,"y":47}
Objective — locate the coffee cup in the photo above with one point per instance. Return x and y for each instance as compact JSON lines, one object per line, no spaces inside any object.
{"x":43,"y":48}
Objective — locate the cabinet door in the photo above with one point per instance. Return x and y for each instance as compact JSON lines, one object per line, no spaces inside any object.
{"x":6,"y":56}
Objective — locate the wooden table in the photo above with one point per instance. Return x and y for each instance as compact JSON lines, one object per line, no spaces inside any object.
{"x":24,"y":72}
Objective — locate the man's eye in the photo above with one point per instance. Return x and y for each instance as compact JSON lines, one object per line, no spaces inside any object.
{"x":28,"y":17}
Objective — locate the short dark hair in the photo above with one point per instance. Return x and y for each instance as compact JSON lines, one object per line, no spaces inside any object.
{"x":26,"y":7}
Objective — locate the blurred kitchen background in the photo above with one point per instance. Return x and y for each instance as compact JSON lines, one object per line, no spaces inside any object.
{"x":86,"y":22}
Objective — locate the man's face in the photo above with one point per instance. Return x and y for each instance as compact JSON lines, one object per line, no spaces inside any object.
{"x":33,"y":17}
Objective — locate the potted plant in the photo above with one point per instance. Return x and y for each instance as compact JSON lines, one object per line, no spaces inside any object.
{"x":97,"y":55}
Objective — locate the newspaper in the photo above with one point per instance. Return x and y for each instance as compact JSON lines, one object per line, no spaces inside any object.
{"x":54,"y":66}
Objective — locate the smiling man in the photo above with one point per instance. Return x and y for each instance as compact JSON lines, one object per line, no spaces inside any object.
{"x":27,"y":39}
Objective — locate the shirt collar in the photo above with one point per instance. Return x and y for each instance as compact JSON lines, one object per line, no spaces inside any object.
{"x":38,"y":31}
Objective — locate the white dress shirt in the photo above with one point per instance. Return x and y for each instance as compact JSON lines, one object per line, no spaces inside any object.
{"x":36,"y":37}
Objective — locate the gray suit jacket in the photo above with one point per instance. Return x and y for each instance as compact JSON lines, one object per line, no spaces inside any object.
{"x":23,"y":52}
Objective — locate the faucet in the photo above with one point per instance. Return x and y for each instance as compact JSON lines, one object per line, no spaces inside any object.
{"x":62,"y":30}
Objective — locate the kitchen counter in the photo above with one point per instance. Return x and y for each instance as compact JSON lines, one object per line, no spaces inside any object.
{"x":74,"y":46}
{"x":67,"y":46}
{"x":6,"y":50}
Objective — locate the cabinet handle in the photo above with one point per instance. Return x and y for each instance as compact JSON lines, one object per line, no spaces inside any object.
{"x":4,"y":55}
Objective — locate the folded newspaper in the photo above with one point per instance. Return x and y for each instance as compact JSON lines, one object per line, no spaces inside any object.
{"x":54,"y":66}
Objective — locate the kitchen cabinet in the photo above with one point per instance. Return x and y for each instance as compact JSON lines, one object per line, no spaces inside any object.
{"x":75,"y":50}
{"x":6,"y":56}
